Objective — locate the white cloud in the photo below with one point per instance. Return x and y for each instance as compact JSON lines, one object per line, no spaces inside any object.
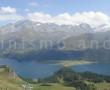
{"x":93,"y":18}
{"x":33,"y":4}
{"x":7,"y":10}
{"x":9,"y":14}
{"x":10,"y":17}
{"x":40,"y":17}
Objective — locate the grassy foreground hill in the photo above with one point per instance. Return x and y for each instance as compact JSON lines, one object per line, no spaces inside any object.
{"x":10,"y":81}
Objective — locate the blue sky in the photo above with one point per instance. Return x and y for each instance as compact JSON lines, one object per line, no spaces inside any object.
{"x":93,"y":12}
{"x":54,"y":7}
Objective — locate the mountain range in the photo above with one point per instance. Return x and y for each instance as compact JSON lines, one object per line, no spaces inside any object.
{"x":48,"y":41}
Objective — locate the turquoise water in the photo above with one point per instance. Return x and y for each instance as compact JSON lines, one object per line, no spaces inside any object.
{"x":100,"y":68}
{"x":33,"y":70}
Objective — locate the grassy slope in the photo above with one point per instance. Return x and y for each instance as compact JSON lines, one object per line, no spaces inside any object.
{"x":7,"y":82}
{"x":16,"y":84}
{"x":103,"y":86}
{"x":52,"y":87}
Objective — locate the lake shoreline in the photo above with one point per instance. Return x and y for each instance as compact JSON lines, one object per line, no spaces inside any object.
{"x":68,"y":63}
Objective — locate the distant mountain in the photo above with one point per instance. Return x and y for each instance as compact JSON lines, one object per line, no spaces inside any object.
{"x":34,"y":40}
{"x":43,"y":27}
{"x":94,"y":40}
{"x":30,"y":32}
